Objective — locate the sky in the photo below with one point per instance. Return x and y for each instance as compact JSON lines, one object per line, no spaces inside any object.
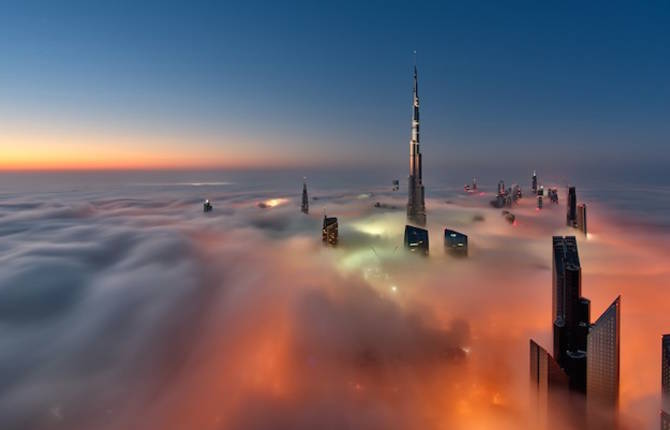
{"x":89,"y":85}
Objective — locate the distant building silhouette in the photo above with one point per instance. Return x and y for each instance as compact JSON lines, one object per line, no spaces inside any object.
{"x":305,"y":199}
{"x":581,"y":217}
{"x":602,"y":368}
{"x":329,"y":231}
{"x":416,"y":205}
{"x":455,"y":243}
{"x":501,"y":188}
{"x":471,"y":188}
{"x":571,"y":216}
{"x":534,"y":183}
{"x":416,"y":239}
{"x":665,"y":382}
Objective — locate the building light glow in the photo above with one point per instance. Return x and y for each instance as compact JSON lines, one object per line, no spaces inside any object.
{"x":274,"y":202}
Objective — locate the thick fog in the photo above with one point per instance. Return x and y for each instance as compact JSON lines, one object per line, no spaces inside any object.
{"x":131,"y":308}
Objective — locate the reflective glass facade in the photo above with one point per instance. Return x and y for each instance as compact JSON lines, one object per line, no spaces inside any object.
{"x":602,"y":362}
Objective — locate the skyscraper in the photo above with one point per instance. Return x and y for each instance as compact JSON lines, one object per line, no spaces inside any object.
{"x":665,"y":420}
{"x":571,"y":217}
{"x":586,"y":355}
{"x":544,"y":370}
{"x":534,"y":183}
{"x":550,"y":384}
{"x":455,"y":243}
{"x":416,"y":239}
{"x":416,"y":206}
{"x":570,"y":311}
{"x":602,"y":363}
{"x":329,"y":233}
{"x":581,"y":217}
{"x":305,"y":199}
{"x":501,"y":187}
{"x":665,"y":382}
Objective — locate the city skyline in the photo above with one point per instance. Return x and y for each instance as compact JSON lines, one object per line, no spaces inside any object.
{"x":87,"y":87}
{"x":205,"y":220}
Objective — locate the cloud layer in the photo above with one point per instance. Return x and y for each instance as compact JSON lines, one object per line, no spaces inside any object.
{"x":137,"y":310}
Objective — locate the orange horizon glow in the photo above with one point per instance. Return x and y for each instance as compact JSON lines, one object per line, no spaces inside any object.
{"x":41,"y":151}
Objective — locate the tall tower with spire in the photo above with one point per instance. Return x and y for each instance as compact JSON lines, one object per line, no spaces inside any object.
{"x":416,"y":206}
{"x":305,"y":200}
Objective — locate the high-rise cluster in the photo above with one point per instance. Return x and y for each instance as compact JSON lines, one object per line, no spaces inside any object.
{"x":586,"y":356}
{"x":507,"y":197}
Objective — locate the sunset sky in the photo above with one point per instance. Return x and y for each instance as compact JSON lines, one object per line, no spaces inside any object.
{"x":250,"y":84}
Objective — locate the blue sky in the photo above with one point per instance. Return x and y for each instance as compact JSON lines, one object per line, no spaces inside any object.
{"x":316,"y":82}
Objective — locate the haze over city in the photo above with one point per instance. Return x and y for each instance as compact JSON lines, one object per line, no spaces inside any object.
{"x":377,"y":215}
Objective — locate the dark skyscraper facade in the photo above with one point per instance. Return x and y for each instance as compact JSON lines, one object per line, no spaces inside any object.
{"x":586,"y":356}
{"x":329,"y":232}
{"x":416,"y":206}
{"x":545,"y":373}
{"x":455,"y":243}
{"x":570,"y":311}
{"x":581,"y":217}
{"x":533,"y":185}
{"x":602,"y":368}
{"x":665,"y":420}
{"x":550,"y":384}
{"x":665,"y":382}
{"x":305,"y":199}
{"x":416,"y":239}
{"x":571,"y":216}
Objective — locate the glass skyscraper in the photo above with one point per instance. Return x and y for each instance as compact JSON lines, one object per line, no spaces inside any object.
{"x":416,"y":239}
{"x":602,"y":362}
{"x":570,"y":311}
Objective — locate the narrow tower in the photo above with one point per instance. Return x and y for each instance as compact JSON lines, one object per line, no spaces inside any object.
{"x":665,"y":382}
{"x":416,"y":206}
{"x":305,"y":200}
{"x":571,"y":217}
